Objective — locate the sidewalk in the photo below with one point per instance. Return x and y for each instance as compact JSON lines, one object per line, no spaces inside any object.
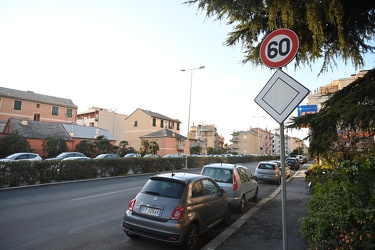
{"x":261,"y":227}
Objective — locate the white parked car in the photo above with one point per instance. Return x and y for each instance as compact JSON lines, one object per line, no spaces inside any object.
{"x":22,"y":157}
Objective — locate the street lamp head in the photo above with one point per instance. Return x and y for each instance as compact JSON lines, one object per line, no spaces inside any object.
{"x":201,"y":67}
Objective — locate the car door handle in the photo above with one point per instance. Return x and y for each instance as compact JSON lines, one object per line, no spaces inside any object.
{"x":208,"y":203}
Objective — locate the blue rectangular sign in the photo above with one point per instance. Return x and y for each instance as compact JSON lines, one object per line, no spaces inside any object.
{"x":307,"y":109}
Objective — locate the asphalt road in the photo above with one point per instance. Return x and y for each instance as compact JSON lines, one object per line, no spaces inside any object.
{"x":82,"y":215}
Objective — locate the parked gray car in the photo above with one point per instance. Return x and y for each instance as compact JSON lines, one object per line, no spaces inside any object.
{"x":177,"y":208}
{"x":270,"y":171}
{"x":238,"y":182}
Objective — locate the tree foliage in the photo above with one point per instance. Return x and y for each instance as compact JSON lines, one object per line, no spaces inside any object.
{"x":149,"y":147}
{"x":196,"y":150}
{"x":329,"y":29}
{"x":123,"y":148}
{"x":13,"y":143}
{"x":87,"y":148}
{"x":345,"y":124}
{"x":54,"y":146}
{"x":103,"y":145}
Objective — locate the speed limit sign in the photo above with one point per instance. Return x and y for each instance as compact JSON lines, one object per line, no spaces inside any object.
{"x":279,"y":48}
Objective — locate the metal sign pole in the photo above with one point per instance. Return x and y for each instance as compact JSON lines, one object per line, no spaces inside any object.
{"x":283,"y":187}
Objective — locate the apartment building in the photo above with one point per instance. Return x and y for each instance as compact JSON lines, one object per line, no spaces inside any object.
{"x":27,"y":105}
{"x":258,"y":141}
{"x":276,"y":144}
{"x":255,"y":141}
{"x":143,"y":122}
{"x":206,"y":135}
{"x":320,"y":95}
{"x":106,"y":119}
{"x":244,"y":142}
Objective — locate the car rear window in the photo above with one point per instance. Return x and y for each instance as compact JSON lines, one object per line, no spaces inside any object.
{"x":164,"y":188}
{"x":219,"y":174}
{"x":267,"y":166}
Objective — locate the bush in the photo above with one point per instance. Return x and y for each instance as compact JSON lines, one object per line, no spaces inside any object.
{"x":341,"y":213}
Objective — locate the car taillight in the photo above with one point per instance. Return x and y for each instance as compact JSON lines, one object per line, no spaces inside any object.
{"x":131,"y":205}
{"x":235,"y":182}
{"x":177,"y":213}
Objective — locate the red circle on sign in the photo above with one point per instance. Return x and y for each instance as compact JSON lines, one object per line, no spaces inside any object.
{"x":273,"y":38}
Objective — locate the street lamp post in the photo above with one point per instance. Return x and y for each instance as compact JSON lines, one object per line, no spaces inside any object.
{"x":188,"y":125}
{"x":258,"y":132}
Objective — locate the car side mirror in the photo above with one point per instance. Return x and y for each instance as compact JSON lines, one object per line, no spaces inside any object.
{"x":222,"y":192}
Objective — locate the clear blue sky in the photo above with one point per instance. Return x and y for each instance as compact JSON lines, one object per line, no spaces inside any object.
{"x":124,"y":55}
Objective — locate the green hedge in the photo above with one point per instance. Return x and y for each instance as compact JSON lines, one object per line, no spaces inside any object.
{"x":21,"y":173}
{"x":341,"y":213}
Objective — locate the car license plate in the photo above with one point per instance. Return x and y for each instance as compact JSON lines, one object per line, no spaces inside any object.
{"x":151,"y":211}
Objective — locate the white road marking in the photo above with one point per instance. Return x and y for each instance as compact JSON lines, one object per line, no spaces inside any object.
{"x":93,"y":196}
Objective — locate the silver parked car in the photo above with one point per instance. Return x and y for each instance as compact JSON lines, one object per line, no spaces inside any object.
{"x":22,"y":157}
{"x":176,"y":208}
{"x":288,"y":171}
{"x":132,"y":155}
{"x":107,"y":156}
{"x":270,"y":171}
{"x":66,"y":155}
{"x":238,"y":182}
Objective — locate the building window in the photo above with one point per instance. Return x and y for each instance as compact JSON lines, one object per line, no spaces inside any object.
{"x":17,"y":105}
{"x":135,"y":123}
{"x":154,"y":122}
{"x":38,"y":105}
{"x":37,"y":117}
{"x":162,"y":123}
{"x":178,"y":126}
{"x":55,"y":110}
{"x":69,"y":113}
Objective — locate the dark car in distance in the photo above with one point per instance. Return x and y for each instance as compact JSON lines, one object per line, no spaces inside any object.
{"x":176,"y":208}
{"x":293,"y":163}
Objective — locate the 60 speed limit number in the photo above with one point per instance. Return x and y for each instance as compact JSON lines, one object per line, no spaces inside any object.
{"x":279,"y":48}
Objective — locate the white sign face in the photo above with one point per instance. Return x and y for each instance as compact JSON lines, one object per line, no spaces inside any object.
{"x":281,"y":95}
